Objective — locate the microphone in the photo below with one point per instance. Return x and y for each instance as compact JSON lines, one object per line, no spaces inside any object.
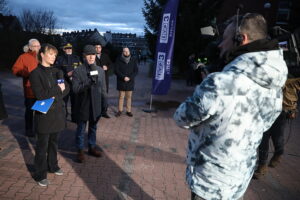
{"x":60,"y":77}
{"x":93,"y":73}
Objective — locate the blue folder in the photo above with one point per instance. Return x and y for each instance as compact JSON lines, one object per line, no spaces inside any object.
{"x":43,"y":105}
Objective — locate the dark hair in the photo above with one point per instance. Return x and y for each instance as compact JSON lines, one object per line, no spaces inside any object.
{"x":44,"y":48}
{"x":97,"y":43}
{"x":252,"y":24}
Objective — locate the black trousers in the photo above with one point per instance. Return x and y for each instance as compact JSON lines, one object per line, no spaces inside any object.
{"x":3,"y":113}
{"x":276,"y":133}
{"x":45,"y":155}
{"x":29,"y":115}
{"x":72,"y":97}
{"x":104,"y":105}
{"x":195,"y":197}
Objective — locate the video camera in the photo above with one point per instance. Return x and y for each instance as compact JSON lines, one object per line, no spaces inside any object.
{"x":290,"y":44}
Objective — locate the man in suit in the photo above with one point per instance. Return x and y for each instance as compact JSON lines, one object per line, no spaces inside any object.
{"x":103,"y":61}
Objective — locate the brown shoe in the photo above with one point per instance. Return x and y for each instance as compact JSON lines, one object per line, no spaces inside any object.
{"x":260,"y":171}
{"x":275,"y":160}
{"x":80,"y":156}
{"x":94,"y":152}
{"x":118,"y":114}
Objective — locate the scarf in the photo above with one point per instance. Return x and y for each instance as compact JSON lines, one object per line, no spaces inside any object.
{"x":125,"y":59}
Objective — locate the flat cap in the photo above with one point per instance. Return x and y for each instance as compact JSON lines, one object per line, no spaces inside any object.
{"x":89,"y":49}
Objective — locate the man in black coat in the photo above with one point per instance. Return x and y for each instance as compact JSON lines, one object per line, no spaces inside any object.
{"x":89,"y":88}
{"x":67,"y":63}
{"x":103,"y":61}
{"x":125,"y":69}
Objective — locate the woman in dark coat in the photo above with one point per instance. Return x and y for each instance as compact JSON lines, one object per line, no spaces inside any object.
{"x":45,"y":85}
{"x":125,"y":69}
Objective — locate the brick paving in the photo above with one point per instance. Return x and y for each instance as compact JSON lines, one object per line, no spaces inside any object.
{"x":143,"y":156}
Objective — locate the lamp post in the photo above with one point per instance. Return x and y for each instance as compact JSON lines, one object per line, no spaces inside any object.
{"x":267,"y":7}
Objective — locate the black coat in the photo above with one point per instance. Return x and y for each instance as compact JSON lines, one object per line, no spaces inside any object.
{"x":104,"y":60}
{"x":3,"y":113}
{"x":67,"y":63}
{"x":44,"y":85}
{"x":88,"y":93}
{"x":122,"y":69}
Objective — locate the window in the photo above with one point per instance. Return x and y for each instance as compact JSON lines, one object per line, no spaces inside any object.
{"x":283,"y":16}
{"x":283,"y":13}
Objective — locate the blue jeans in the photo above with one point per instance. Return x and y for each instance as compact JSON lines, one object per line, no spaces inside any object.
{"x":92,"y":128}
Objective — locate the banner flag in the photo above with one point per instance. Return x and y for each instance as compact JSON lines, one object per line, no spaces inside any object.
{"x":164,"y":49}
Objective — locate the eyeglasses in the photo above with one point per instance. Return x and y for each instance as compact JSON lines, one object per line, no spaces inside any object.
{"x":35,"y":45}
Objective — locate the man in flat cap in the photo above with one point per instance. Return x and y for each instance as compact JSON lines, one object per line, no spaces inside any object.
{"x":67,"y":63}
{"x":89,"y":87}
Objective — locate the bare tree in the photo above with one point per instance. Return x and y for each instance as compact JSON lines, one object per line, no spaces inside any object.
{"x":4,"y":9}
{"x":39,"y":21}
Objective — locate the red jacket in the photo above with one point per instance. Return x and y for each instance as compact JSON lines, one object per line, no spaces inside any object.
{"x":22,"y":68}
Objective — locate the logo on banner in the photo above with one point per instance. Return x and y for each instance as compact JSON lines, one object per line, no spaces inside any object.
{"x":164,"y":34}
{"x":168,"y":66}
{"x":160,"y":67}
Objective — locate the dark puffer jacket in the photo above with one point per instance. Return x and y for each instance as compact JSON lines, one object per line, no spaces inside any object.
{"x":44,"y":85}
{"x":123,"y":69}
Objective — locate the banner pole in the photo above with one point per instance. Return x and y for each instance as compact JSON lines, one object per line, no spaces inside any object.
{"x":151,"y":102}
{"x":150,"y":110}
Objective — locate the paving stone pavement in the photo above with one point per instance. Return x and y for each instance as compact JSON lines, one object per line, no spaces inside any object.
{"x":143,"y":156}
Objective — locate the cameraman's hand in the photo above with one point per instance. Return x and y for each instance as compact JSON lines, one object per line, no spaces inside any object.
{"x":62,"y":86}
{"x":203,"y":75}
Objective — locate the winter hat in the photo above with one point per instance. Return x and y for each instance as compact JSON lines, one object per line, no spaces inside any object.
{"x":89,"y":50}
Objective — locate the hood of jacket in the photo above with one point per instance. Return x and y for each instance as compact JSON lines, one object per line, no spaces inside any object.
{"x":265,"y":67}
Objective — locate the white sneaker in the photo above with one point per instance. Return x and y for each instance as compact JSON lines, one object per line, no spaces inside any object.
{"x":44,"y":183}
{"x":59,"y":172}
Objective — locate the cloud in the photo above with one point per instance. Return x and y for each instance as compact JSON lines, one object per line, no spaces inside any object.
{"x":105,"y":15}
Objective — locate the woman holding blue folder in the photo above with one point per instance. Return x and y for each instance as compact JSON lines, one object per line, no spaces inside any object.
{"x":48,"y":82}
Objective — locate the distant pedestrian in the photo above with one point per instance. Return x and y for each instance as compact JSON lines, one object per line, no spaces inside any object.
{"x":89,"y":88}
{"x":26,"y":63}
{"x":67,"y":63}
{"x":103,"y":61}
{"x":48,"y":126}
{"x":125,"y":69}
{"x":190,"y":72}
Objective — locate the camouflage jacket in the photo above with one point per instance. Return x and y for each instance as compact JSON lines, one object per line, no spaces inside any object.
{"x":227,"y":116}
